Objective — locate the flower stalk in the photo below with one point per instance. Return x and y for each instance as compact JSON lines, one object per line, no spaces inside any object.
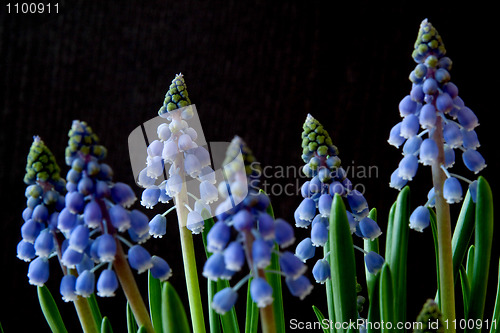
{"x":446,"y":287}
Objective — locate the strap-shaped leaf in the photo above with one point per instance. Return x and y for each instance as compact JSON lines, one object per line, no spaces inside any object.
{"x":482,"y":254}
{"x":342,"y":264}
{"x":94,"y":307}
{"x":398,"y":258}
{"x":131,"y":323}
{"x":496,"y":312}
{"x":321,"y":319}
{"x":464,"y":281}
{"x":174,"y":317}
{"x":154,"y":295}
{"x":50,"y":310}
{"x":106,"y":326}
{"x":387,"y":298}
{"x":252,"y":313}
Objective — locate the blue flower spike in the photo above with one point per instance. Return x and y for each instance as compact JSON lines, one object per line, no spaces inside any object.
{"x":327,"y":178}
{"x":434,"y":97}
{"x":246,"y":234}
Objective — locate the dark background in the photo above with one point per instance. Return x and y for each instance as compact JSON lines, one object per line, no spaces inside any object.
{"x":252,"y":68}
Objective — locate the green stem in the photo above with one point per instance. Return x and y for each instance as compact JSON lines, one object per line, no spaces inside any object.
{"x":129,"y":286}
{"x":446,"y":281}
{"x":85,"y":315}
{"x":189,"y":260}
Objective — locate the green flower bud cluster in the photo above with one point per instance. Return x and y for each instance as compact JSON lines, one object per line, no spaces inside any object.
{"x":237,"y":146}
{"x":431,"y":318}
{"x":83,"y":141}
{"x":315,"y":140}
{"x":41,"y":164}
{"x":428,"y":43}
{"x":177,"y":96}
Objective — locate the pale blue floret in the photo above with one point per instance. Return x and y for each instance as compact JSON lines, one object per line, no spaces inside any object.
{"x":106,"y":248}
{"x":265,"y":224}
{"x":452,"y":190}
{"x":467,"y":118}
{"x":449,"y":156}
{"x":158,"y":226}
{"x":155,"y":148}
{"x":299,"y":287}
{"x":44,"y":243}
{"x":218,"y":237}
{"x":396,"y":181}
{"x":107,"y":283}
{"x":428,"y":152}
{"x":261,"y":253}
{"x":40,"y":213}
{"x":420,"y":218}
{"x":92,"y":215}
{"x":452,"y":135}
{"x":38,"y":271}
{"x":408,"y":166}
{"x":224,"y":300}
{"x":208,"y":192}
{"x":300,"y":223}
{"x":122,"y":194}
{"x":357,"y":201}
{"x":214,"y":266}
{"x":70,"y":258}
{"x":374,"y":262}
{"x":412,"y":145}
{"x":243,"y":220}
{"x":369,"y":228}
{"x":305,"y":249}
{"x":307,"y":209}
{"x":139,"y":223}
{"x":139,"y":258}
{"x":325,"y":204}
{"x":84,"y":285}
{"x":234,"y":256}
{"x":395,"y":137}
{"x":321,"y":271}
{"x":195,"y":222}
{"x":261,"y":292}
{"x":79,"y":238}
{"x":119,"y":217}
{"x":30,"y":230}
{"x":75,"y":202}
{"x":409,"y":126}
{"x":67,"y":288}
{"x":161,"y":269}
{"x":428,"y":116}
{"x":66,"y":220}
{"x":319,"y":233}
{"x":470,"y":139}
{"x":290,"y":265}
{"x":192,"y":165}
{"x":284,"y":233}
{"x":150,"y":196}
{"x":25,"y":251}
{"x":473,"y":160}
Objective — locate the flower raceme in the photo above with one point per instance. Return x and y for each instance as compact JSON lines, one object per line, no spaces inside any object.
{"x":434,"y":98}
{"x":176,"y":145}
{"x":246,"y":233}
{"x":81,"y":219}
{"x":327,"y":178}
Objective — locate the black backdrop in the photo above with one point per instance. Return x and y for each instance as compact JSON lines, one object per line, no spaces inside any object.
{"x":254,"y":69}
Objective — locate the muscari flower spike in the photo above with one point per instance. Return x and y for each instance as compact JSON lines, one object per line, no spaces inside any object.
{"x":327,"y":178}
{"x":176,"y":146}
{"x":246,"y":233}
{"x":45,"y":200}
{"x":94,"y":213}
{"x":433,"y":98}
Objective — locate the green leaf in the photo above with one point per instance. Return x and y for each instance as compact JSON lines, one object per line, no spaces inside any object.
{"x":320,"y":317}
{"x":397,"y":260}
{"x":387,"y":299}
{"x":94,"y":307}
{"x":388,"y":234}
{"x":252,"y":313}
{"x":496,"y":311}
{"x":131,"y":323}
{"x":470,"y":263}
{"x":142,"y":329}
{"x":154,"y":296}
{"x":274,"y":281}
{"x":464,"y":281}
{"x":106,"y":326}
{"x":482,"y":254}
{"x":463,"y":232}
{"x":50,"y":310}
{"x":374,"y":299}
{"x":329,"y":293}
{"x":342,"y":264}
{"x":213,"y":317}
{"x":174,"y":317}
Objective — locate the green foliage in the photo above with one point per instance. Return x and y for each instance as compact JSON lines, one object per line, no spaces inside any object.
{"x":50,"y":310}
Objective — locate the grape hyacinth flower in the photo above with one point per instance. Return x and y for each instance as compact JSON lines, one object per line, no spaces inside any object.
{"x":258,"y":235}
{"x":96,"y":220}
{"x":327,"y":178}
{"x":434,"y":105}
